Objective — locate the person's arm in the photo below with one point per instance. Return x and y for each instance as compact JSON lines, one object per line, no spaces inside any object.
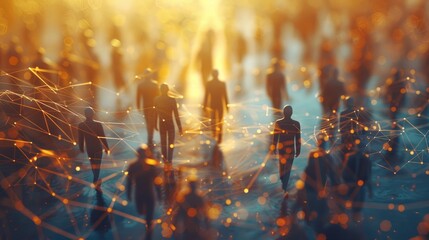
{"x":129,"y":183}
{"x":226,"y":97}
{"x":176,"y":115}
{"x":275,"y":139}
{"x":81,"y":138}
{"x":298,"y":140}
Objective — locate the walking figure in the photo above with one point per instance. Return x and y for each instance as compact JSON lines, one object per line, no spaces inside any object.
{"x":91,"y":135}
{"x":147,"y":91}
{"x":287,"y":139}
{"x":276,"y":85}
{"x":142,"y":179}
{"x":166,"y":107}
{"x":215,"y":101}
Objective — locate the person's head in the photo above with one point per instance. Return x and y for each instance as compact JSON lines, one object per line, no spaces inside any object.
{"x":89,"y":113}
{"x":287,"y":111}
{"x":215,"y":74}
{"x":276,"y":63}
{"x":143,"y":152}
{"x":164,"y":89}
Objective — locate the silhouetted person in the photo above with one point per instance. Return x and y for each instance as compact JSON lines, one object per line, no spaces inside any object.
{"x":191,"y":220}
{"x":349,"y":123}
{"x":312,"y":198}
{"x":205,"y":55}
{"x":166,"y":108}
{"x":215,"y":101}
{"x":357,"y":177}
{"x":117,"y":68}
{"x":395,"y":95}
{"x":147,"y":91}
{"x":91,"y":135}
{"x":331,"y":91}
{"x":141,"y":180}
{"x":275,"y":84}
{"x":287,"y":140}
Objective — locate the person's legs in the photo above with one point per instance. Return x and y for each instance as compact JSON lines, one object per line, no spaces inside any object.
{"x":171,"y":137}
{"x":95,"y":160}
{"x":149,"y":218}
{"x":163,"y":136}
{"x":150,"y":124}
{"x":285,"y":164}
{"x":220,"y":125}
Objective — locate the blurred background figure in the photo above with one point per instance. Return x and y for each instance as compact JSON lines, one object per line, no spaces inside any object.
{"x":142,"y":180}
{"x":215,"y":101}
{"x":356,"y":173}
{"x":191,"y":220}
{"x":313,"y":195}
{"x":275,"y":84}
{"x":147,"y":91}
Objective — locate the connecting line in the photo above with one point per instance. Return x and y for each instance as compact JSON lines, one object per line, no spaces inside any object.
{"x":267,"y":157}
{"x":35,"y":70}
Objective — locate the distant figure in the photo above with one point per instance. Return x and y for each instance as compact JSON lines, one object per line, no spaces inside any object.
{"x":215,"y":101}
{"x":147,"y":91}
{"x":205,"y":55}
{"x":275,"y":84}
{"x":287,"y":139}
{"x":166,"y":107}
{"x":331,"y":92}
{"x":91,"y":135}
{"x":349,"y":123}
{"x":141,"y":180}
{"x":191,"y":220}
{"x":312,"y":198}
{"x":395,"y":95}
{"x":357,"y":176}
{"x":117,"y":68}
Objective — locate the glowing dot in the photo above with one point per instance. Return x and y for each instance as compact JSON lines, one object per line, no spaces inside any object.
{"x":238,"y":204}
{"x":246,"y":190}
{"x":391,"y":206}
{"x":36,"y":220}
{"x":299,"y":184}
{"x":65,"y":201}
{"x":228,"y":220}
{"x":109,"y":210}
{"x":348,"y":204}
{"x":171,"y":145}
{"x":74,"y":143}
{"x":77,"y":168}
{"x":411,"y":152}
{"x":401,"y":207}
{"x":385,"y":225}
{"x":281,"y":222}
{"x":53,"y":194}
{"x":228,"y":202}
{"x":69,"y":177}
{"x":360,"y":183}
{"x":343,"y":218}
{"x":300,"y":215}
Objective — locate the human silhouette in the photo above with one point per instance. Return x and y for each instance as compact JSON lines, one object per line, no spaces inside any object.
{"x":147,"y":91}
{"x":287,"y":140}
{"x":349,"y":123}
{"x":205,"y":55}
{"x":357,"y":176}
{"x":191,"y":220}
{"x":395,"y":95}
{"x":91,"y":135}
{"x":331,"y":92}
{"x":141,"y":180}
{"x":215,"y":101}
{"x":275,"y":84}
{"x":166,"y":108}
{"x":312,"y":198}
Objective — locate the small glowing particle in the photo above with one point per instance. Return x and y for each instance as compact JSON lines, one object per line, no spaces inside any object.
{"x":77,"y":168}
{"x":401,"y":207}
{"x":246,"y":190}
{"x":385,"y":225}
